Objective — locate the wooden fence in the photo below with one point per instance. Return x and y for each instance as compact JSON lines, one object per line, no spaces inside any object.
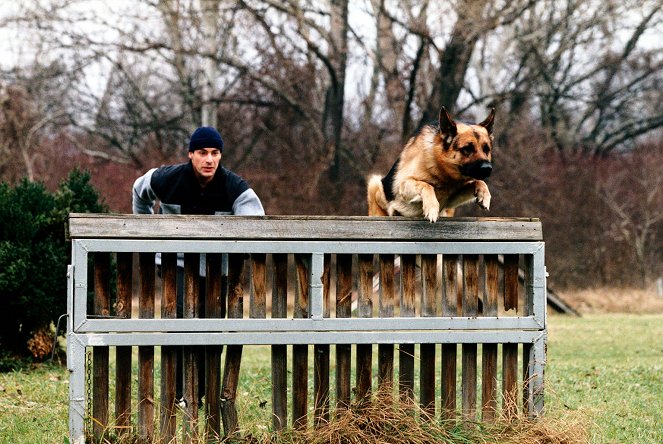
{"x":454,"y":283}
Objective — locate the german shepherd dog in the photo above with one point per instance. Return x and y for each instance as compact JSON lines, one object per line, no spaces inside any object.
{"x":441,"y":167}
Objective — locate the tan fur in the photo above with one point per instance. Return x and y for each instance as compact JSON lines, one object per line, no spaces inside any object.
{"x":428,"y":181}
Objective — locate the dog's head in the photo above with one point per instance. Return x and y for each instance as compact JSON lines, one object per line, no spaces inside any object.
{"x":469,"y":146}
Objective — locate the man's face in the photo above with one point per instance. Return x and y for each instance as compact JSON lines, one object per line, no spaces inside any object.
{"x":205,"y":161}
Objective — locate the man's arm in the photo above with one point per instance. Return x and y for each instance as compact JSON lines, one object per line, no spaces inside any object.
{"x":248,"y":204}
{"x":143,"y":198}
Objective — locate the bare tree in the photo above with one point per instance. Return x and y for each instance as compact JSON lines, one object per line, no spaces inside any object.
{"x":634,"y":194}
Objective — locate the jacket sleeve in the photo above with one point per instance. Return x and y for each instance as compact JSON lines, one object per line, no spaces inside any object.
{"x":144,"y":197}
{"x":248,"y":204}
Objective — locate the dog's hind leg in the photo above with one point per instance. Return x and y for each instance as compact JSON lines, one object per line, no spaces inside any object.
{"x":377,"y":200}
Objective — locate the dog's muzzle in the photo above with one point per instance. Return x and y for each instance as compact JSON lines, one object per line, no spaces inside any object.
{"x":480,"y":169}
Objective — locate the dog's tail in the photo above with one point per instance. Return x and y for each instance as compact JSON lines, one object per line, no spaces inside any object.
{"x":377,"y":200}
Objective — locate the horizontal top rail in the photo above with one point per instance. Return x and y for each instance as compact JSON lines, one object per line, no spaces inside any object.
{"x":393,"y":229}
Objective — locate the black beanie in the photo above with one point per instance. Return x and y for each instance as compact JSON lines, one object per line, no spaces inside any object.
{"x":205,"y":137}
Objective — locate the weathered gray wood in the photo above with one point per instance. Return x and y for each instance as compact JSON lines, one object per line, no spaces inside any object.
{"x":130,"y":226}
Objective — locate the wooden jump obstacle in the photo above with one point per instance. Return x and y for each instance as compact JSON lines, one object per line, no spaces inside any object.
{"x":457,"y":285}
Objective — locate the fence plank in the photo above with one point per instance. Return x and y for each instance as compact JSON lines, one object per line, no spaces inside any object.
{"x":427,"y":351}
{"x":279,"y":352}
{"x":146,"y":353}
{"x":510,"y":351}
{"x":101,"y":307}
{"x":469,"y":351}
{"x":343,"y":310}
{"x":489,"y":351}
{"x":214,"y":308}
{"x":387,"y":298}
{"x":450,"y":307}
{"x":168,"y":409}
{"x":191,"y":354}
{"x":530,"y":389}
{"x":389,"y":229}
{"x":364,"y":355}
{"x":300,"y":352}
{"x":233,"y":352}
{"x":406,"y":351}
{"x":321,"y":358}
{"x":123,"y":354}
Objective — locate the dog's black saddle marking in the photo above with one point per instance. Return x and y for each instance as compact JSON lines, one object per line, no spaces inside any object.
{"x":388,"y":182}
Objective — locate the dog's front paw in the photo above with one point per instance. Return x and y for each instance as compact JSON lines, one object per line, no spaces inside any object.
{"x":432,"y":211}
{"x":483,"y":197}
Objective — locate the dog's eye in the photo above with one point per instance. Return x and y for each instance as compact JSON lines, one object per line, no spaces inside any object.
{"x":486,"y":149}
{"x":467,"y":150}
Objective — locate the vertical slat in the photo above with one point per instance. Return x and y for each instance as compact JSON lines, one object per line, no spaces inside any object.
{"x":233,"y":352}
{"x":449,"y":351}
{"x":511,"y":282}
{"x":168,"y":410}
{"x":300,"y":352}
{"x":214,"y":308}
{"x":101,"y":307}
{"x":321,"y":358}
{"x":146,"y":353}
{"x":279,"y":352}
{"x":343,"y":310}
{"x":489,"y":351}
{"x":123,"y":354}
{"x":190,"y":354}
{"x":258,"y":294}
{"x":387,"y":299}
{"x":469,"y":351}
{"x":532,"y":356}
{"x":406,"y":351}
{"x":428,"y":308}
{"x":364,"y":354}
{"x":510,"y":351}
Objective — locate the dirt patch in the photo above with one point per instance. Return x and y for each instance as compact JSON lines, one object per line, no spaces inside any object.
{"x":614,"y":300}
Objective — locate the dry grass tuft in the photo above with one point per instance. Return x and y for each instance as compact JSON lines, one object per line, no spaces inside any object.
{"x":614,"y":300}
{"x":380,"y":421}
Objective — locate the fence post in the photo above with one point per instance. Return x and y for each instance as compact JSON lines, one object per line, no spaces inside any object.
{"x":279,"y":352}
{"x":469,"y":351}
{"x":123,"y":354}
{"x":406,"y":351}
{"x":343,"y":310}
{"x":146,"y":353}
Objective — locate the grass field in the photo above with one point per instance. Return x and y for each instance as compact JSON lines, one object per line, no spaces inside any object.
{"x":604,"y":370}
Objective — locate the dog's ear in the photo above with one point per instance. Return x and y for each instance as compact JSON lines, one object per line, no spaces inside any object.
{"x":447,"y":126}
{"x":488,"y":122}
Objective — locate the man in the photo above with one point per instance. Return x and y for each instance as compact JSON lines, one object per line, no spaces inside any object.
{"x":200,"y":186}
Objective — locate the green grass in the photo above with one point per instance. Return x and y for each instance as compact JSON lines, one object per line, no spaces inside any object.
{"x":609,"y":368}
{"x":606,"y":370}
